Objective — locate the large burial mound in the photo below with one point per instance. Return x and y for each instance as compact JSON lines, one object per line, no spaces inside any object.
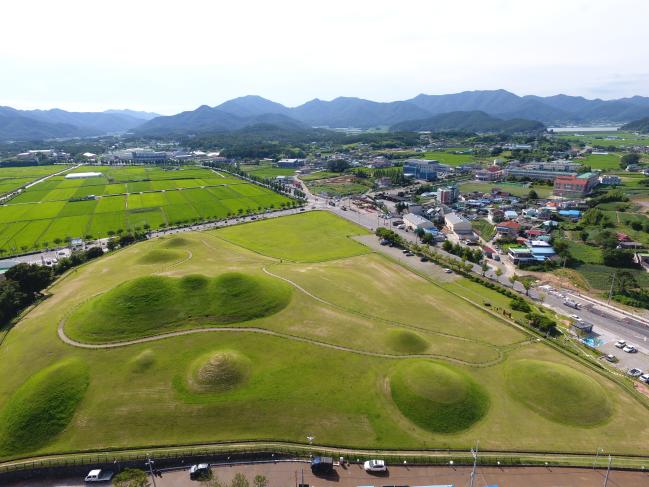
{"x":218,"y":371}
{"x":155,"y":304}
{"x":558,"y":392}
{"x":42,"y":407}
{"x":437,"y":397}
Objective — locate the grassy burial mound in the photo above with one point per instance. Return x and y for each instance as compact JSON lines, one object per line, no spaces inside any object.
{"x":160,"y":256}
{"x":558,"y":392}
{"x":155,"y":304}
{"x":176,"y":242}
{"x":218,"y":371}
{"x":143,"y":361}
{"x":437,"y":397}
{"x":306,"y":237}
{"x":42,"y":407}
{"x":406,"y":341}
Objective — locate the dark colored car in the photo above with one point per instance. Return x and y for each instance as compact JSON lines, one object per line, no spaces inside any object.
{"x":322,"y":465}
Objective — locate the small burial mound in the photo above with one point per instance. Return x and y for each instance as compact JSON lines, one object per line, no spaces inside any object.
{"x":406,"y":341}
{"x":558,"y":392}
{"x":218,"y":371}
{"x":143,"y":361}
{"x":42,"y":407}
{"x":437,"y":397}
{"x":160,"y":256}
{"x":176,"y":242}
{"x":157,"y":304}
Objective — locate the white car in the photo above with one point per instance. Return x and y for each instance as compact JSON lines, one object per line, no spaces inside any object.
{"x":448,"y":271}
{"x":630,"y":349}
{"x":644,"y":378}
{"x":620,"y":344}
{"x":575,"y":317}
{"x":375,"y":466}
{"x":634,"y":372}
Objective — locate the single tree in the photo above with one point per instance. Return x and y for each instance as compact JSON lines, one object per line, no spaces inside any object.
{"x":131,"y":477}
{"x":260,"y":481}
{"x":240,"y":480}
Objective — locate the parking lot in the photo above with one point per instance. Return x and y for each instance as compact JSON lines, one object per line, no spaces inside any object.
{"x":286,"y":474}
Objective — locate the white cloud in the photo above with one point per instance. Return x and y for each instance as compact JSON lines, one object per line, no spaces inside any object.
{"x":168,"y":56}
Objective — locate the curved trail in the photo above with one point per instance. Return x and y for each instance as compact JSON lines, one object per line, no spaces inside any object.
{"x":238,"y":329}
{"x":101,"y":346}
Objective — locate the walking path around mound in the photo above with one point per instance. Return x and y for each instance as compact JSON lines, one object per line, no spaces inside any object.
{"x":263,"y":331}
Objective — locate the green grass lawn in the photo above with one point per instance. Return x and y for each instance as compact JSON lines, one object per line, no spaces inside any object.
{"x":336,"y":362}
{"x":128,"y":198}
{"x":314,"y":176}
{"x":304,"y":237}
{"x":516,"y":189}
{"x":599,"y":276}
{"x":450,"y":157}
{"x":267,"y":170}
{"x":338,"y":189}
{"x":486,"y":230}
{"x":602,"y":162}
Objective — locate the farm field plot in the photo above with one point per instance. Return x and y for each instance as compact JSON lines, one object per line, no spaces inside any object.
{"x":266,"y":170}
{"x":125,"y":198}
{"x":12,"y":178}
{"x":452,"y":158}
{"x":346,"y":346}
{"x":517,"y":189}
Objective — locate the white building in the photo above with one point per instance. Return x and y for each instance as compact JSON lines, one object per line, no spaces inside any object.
{"x":83,"y":175}
{"x":457,"y":224}
{"x":415,"y":222}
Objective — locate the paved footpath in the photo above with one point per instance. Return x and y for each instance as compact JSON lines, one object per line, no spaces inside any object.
{"x":288,"y":474}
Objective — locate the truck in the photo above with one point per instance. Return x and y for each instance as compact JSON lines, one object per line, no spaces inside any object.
{"x":572,"y":304}
{"x":99,"y":475}
{"x":322,"y":465}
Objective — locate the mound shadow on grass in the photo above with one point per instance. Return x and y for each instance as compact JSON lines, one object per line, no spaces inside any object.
{"x":558,"y":392}
{"x":160,"y":256}
{"x":437,"y":397}
{"x":143,"y":361}
{"x":176,"y":242}
{"x":218,"y":372}
{"x":42,"y":407}
{"x":152,"y":305}
{"x":406,"y":341}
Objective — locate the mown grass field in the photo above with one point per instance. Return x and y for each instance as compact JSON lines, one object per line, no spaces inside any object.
{"x":12,"y":178}
{"x":452,"y":158}
{"x":267,"y":170}
{"x":516,"y":189}
{"x":127,"y":198}
{"x":365,"y":353}
{"x":602,"y":161}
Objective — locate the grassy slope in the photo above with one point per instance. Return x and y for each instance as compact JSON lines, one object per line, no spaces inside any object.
{"x":305,"y":237}
{"x":293,"y":388}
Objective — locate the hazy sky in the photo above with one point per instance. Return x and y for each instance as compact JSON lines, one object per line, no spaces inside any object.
{"x":168,"y":56}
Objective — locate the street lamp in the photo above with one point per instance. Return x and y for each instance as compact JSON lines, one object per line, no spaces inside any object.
{"x":597,"y":452}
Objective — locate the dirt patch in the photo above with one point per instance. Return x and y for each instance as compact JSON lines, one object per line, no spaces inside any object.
{"x":641,"y":388}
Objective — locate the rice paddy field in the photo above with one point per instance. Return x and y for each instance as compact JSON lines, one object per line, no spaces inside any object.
{"x":124,"y":198}
{"x":285,"y":328}
{"x":12,"y":178}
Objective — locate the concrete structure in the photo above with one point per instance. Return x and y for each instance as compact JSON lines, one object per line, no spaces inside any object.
{"x":508,"y":229}
{"x":448,"y":194}
{"x":575,"y":186}
{"x":290,"y":163}
{"x":458,"y":224}
{"x":421,"y":169}
{"x":491,"y":173}
{"x":546,"y":171}
{"x":83,"y":175}
{"x":416,"y":222}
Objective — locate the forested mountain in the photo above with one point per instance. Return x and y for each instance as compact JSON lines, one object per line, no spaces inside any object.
{"x":47,"y":124}
{"x":641,"y":125}
{"x":134,"y":113}
{"x":469,"y":121}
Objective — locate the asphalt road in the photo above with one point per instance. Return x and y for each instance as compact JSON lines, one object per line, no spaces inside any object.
{"x":286,"y":474}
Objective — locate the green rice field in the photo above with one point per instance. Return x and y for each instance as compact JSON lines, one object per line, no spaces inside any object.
{"x":12,"y":178}
{"x":124,"y":198}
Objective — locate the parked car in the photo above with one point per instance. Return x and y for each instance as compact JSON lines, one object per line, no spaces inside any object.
{"x":620,"y":344}
{"x":611,"y":358}
{"x":575,"y":317}
{"x":448,"y":271}
{"x":375,"y":466}
{"x":322,"y":465}
{"x":644,"y":378}
{"x":634,"y":372}
{"x":98,"y":475}
{"x":630,"y":349}
{"x":199,"y":471}
{"x":424,"y":258}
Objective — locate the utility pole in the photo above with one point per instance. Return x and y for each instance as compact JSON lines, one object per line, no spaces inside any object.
{"x":475,"y":461}
{"x":610,"y":293}
{"x":596,"y":456}
{"x":608,"y":470}
{"x":149,"y":463}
